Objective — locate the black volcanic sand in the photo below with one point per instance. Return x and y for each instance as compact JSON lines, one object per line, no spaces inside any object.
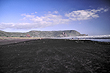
{"x":55,"y":56}
{"x":8,"y":41}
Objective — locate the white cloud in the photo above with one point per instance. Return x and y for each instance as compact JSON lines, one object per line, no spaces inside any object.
{"x":52,"y":18}
{"x":35,"y":12}
{"x":28,"y":16}
{"x":84,"y":14}
{"x":36,"y":21}
{"x":56,"y":12}
{"x":105,"y":10}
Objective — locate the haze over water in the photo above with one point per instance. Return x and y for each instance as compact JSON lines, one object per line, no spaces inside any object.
{"x":100,"y":38}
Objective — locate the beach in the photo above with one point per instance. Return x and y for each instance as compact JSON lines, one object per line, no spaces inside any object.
{"x":54,"y":56}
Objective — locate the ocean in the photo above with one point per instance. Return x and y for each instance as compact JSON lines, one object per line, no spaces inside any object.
{"x":100,"y":40}
{"x":71,"y":38}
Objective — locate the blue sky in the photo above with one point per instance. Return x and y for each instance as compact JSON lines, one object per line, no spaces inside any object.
{"x":90,"y":17}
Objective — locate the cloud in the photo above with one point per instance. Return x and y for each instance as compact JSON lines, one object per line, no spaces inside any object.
{"x":28,"y":16}
{"x":105,"y":10}
{"x":47,"y":19}
{"x":35,"y":12}
{"x":52,"y":18}
{"x":84,"y":14}
{"x":56,"y":12}
{"x":36,"y":21}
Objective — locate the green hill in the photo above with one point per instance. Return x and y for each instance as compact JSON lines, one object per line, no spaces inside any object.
{"x":65,"y":33}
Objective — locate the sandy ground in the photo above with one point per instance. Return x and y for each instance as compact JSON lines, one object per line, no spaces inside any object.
{"x":55,"y":56}
{"x":5,"y":41}
{"x":9,"y":40}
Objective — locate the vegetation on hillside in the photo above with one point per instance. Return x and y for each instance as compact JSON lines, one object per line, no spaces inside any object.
{"x":65,"y":33}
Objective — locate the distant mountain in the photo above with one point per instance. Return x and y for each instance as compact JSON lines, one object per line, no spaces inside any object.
{"x":65,"y":33}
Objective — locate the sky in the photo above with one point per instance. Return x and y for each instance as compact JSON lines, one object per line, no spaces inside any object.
{"x":90,"y":17}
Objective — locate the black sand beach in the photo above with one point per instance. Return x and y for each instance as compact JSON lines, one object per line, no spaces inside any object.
{"x":55,"y":56}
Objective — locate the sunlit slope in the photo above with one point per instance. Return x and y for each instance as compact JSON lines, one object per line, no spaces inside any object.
{"x":65,"y":33}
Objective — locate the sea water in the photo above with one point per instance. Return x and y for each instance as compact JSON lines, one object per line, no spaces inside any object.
{"x":71,"y":38}
{"x":101,"y":40}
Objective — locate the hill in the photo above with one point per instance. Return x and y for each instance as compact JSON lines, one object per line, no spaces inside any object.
{"x":65,"y":33}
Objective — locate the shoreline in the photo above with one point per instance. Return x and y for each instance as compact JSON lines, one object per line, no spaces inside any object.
{"x":10,"y":40}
